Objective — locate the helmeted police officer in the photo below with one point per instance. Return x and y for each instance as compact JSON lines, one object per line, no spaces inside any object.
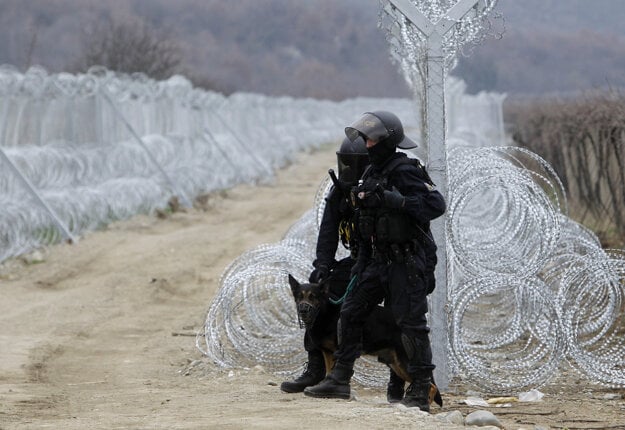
{"x":395,"y":200}
{"x":336,"y":223}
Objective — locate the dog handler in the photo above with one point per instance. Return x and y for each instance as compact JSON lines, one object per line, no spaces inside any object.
{"x":395,"y":201}
{"x":337,"y":222}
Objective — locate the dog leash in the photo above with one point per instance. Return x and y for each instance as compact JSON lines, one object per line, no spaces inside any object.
{"x":350,"y":286}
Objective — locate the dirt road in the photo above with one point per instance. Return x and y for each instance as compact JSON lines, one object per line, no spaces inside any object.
{"x":100,"y":334}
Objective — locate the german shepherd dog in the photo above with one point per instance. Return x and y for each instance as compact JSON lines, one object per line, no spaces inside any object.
{"x":381,"y":334}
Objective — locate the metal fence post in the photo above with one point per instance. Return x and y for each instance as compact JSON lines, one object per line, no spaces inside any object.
{"x":33,"y":192}
{"x":430,"y":62}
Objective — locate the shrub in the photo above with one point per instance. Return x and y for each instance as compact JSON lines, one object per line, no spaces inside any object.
{"x":584,"y":139}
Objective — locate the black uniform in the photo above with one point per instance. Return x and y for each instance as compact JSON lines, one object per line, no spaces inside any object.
{"x":337,"y":221}
{"x":392,"y":262}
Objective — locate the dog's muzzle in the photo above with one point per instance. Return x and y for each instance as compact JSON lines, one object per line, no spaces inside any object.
{"x":306,"y":314}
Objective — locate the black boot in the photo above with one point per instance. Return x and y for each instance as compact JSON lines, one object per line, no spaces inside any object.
{"x":395,"y":388}
{"x":313,"y":374}
{"x":418,"y":394}
{"x":335,"y":385}
{"x":422,"y":391}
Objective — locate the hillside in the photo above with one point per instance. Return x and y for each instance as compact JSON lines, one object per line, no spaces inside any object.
{"x":328,"y":49}
{"x":551,"y":46}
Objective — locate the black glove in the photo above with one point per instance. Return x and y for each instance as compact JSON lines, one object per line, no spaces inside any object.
{"x":394,"y":199}
{"x":319,"y":274}
{"x":370,"y":197}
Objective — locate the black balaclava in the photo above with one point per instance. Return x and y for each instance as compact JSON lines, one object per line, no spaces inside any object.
{"x":381,"y":152}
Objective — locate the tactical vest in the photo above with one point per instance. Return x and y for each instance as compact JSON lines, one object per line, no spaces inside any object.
{"x":391,"y":226}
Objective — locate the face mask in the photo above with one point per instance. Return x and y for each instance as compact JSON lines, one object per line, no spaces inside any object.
{"x":379,"y":153}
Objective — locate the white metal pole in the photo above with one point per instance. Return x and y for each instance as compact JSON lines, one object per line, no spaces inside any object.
{"x":33,"y":192}
{"x":437,"y":168}
{"x":435,"y":135}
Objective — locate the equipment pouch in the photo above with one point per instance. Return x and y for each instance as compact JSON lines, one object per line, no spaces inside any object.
{"x":411,"y":269}
{"x":381,"y":230}
{"x":398,"y":228}
{"x":398,"y":255}
{"x":366,"y":225}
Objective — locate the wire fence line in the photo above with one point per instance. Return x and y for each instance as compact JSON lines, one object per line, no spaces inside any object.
{"x":80,"y":151}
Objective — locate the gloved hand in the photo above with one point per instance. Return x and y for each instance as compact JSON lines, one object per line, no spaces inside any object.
{"x":319,"y":274}
{"x":370,"y":196}
{"x":394,"y":199}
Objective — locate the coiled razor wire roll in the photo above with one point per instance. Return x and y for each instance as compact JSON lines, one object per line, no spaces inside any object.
{"x":592,"y":305}
{"x":252,"y":320}
{"x":517,"y":226}
{"x":500,"y":220}
{"x":505,"y":333}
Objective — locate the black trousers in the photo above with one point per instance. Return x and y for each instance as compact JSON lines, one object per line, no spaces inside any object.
{"x":387,"y":282}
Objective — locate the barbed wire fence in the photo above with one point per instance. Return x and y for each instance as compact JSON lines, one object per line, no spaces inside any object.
{"x":80,"y":151}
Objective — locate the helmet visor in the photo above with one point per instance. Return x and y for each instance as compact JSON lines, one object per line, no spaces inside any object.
{"x":368,"y":126}
{"x":351,"y":166}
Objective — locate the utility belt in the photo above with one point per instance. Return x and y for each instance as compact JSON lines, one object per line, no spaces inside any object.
{"x":387,"y":226}
{"x":402,"y":253}
{"x":390,"y":232}
{"x":396,"y":252}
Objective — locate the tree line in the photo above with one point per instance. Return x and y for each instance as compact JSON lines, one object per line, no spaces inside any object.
{"x":316,"y":48}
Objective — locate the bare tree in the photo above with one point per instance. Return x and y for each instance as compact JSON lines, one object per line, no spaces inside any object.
{"x":130,"y":47}
{"x":584,"y":139}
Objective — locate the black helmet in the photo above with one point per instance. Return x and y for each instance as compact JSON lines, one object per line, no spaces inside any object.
{"x":381,"y":126}
{"x":352,"y":159}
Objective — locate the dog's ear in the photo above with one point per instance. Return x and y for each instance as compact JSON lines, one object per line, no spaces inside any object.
{"x":295,"y":286}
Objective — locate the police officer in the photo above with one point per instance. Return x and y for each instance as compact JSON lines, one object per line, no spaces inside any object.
{"x":336,"y":223}
{"x":396,"y":201}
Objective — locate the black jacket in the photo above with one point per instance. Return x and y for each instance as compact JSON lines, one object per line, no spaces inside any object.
{"x":336,"y":211}
{"x":423,"y":202}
